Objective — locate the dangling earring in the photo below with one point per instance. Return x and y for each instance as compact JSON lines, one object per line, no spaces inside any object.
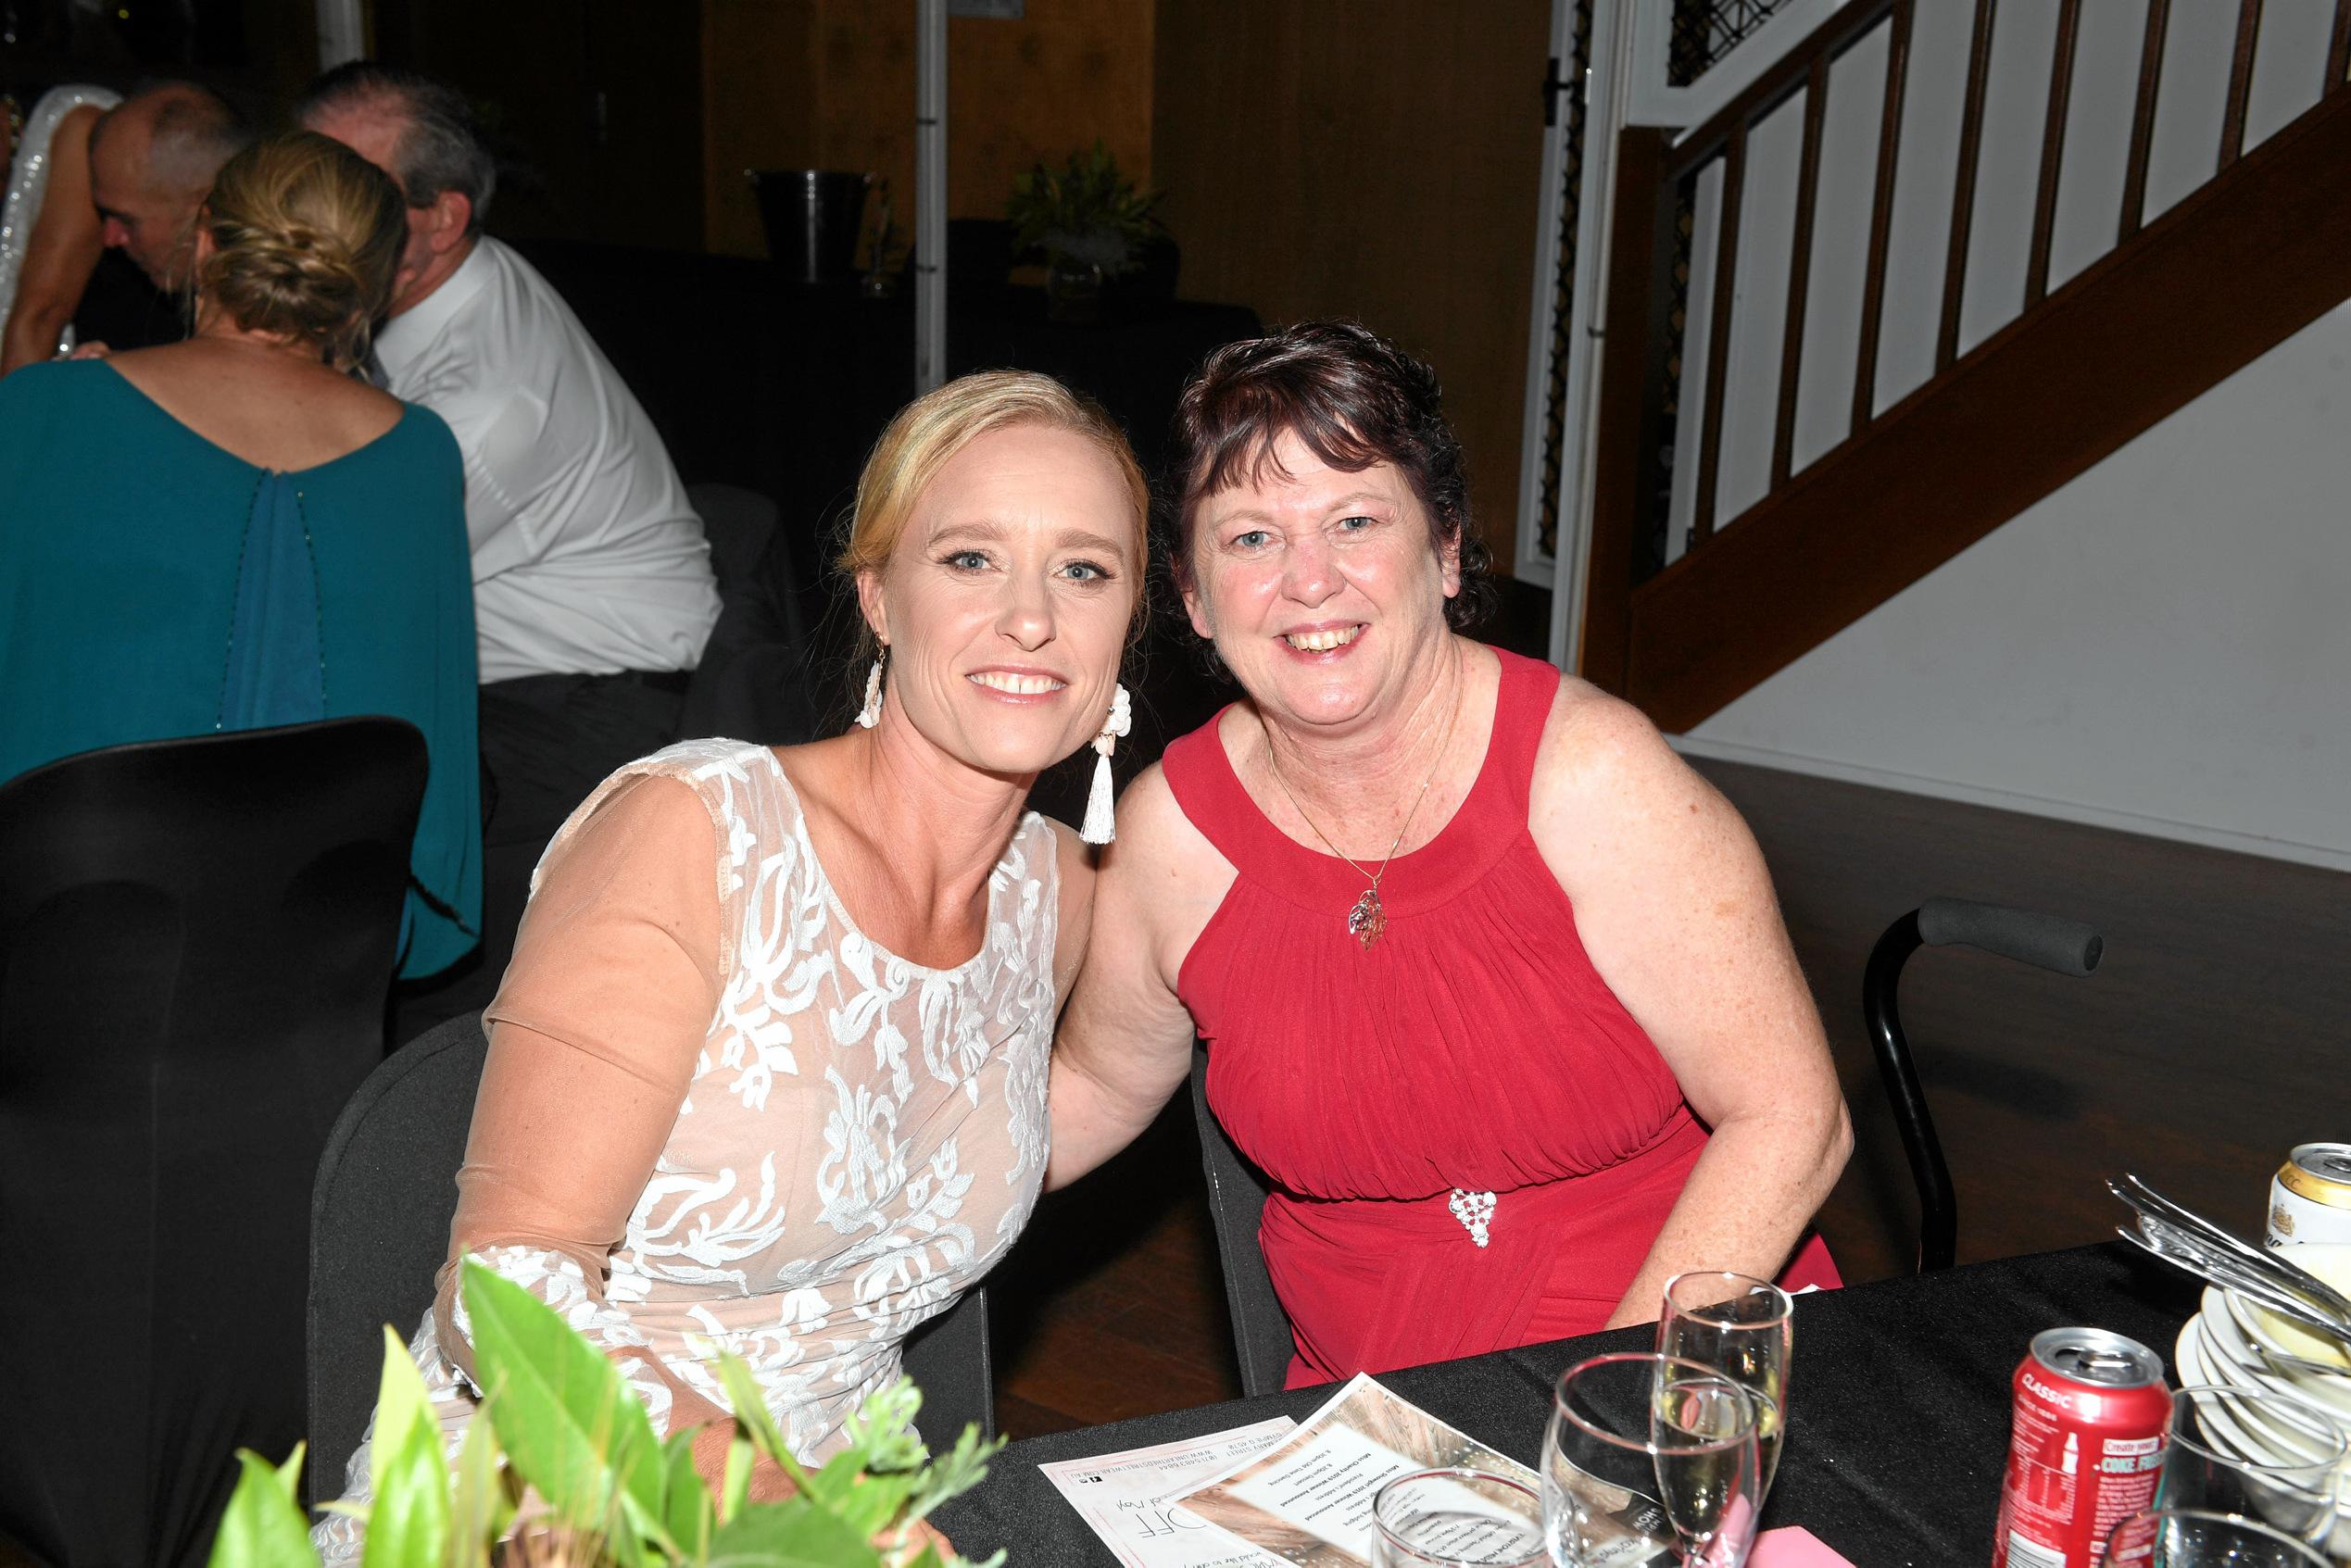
{"x":871,"y":714}
{"x":1098,"y":828}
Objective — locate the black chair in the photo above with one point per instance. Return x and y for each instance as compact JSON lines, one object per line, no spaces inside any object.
{"x":196,"y":937}
{"x":753,"y":682}
{"x":2063,"y":947}
{"x":380,"y":1229}
{"x":1237,"y":1203}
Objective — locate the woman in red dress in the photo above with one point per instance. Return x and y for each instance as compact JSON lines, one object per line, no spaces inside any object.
{"x":1493,"y":985}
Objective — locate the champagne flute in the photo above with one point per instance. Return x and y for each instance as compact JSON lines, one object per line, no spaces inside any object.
{"x":1456,"y":1518}
{"x":2181,"y":1538}
{"x":1744,"y":1328}
{"x":2266,"y":1456}
{"x":1646,"y":1452}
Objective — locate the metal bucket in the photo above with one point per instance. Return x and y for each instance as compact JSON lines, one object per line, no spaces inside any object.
{"x":812,"y":218}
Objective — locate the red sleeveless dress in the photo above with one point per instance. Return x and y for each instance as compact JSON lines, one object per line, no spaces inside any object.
{"x":1473,"y":1046}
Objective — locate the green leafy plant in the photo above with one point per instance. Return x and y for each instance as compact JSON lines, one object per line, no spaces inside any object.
{"x":604,"y":1491}
{"x":1085,"y":212}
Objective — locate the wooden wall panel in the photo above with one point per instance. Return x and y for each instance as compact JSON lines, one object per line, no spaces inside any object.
{"x":830,"y":83}
{"x":759,"y":76}
{"x":599,"y":98}
{"x":1376,"y":159}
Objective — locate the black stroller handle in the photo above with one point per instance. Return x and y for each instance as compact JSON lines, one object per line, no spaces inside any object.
{"x":2050,"y":942}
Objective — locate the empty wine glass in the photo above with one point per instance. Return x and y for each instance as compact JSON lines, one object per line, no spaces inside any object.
{"x":1744,"y":1328}
{"x":2179,"y":1538}
{"x":2266,"y":1456}
{"x":1456,"y":1518}
{"x":1647,"y":1451}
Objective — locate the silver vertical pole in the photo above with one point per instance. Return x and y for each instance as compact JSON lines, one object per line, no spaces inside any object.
{"x":343,"y":32}
{"x":930,"y":194}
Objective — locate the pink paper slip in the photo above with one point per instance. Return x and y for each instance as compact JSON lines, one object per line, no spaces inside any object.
{"x":1792,"y":1546}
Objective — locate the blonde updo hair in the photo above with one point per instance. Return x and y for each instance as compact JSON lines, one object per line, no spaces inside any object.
{"x":306,"y":237}
{"x":928,"y":434}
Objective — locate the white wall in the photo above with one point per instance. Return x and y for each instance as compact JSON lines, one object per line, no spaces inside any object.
{"x":2164,"y":645}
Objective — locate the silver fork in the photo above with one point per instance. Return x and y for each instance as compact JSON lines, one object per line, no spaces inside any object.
{"x":2167,"y":1243}
{"x":2273,"y":1266}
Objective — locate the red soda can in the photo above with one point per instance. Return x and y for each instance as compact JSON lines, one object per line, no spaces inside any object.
{"x":2091,"y":1413}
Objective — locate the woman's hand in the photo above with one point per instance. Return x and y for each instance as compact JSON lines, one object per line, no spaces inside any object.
{"x":902,"y":1546}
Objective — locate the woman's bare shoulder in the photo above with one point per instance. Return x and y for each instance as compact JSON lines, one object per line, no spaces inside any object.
{"x":1603,"y":769}
{"x":245,"y":400}
{"x":1592,"y":737}
{"x":1154,"y":834}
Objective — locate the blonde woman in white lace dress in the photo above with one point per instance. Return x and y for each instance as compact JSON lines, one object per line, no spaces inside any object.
{"x":767,"y":1073}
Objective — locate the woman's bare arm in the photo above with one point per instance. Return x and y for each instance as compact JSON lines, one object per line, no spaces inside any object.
{"x":61,"y":253}
{"x":1125,"y":1042}
{"x":1674,"y":906}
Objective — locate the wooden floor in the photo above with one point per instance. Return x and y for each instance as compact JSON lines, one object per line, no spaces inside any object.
{"x":2215,"y":1033}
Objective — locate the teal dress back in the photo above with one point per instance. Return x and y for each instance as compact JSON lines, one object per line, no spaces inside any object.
{"x":153,"y":585}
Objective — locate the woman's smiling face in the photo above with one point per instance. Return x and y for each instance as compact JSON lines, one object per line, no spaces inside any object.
{"x":1007,"y":598}
{"x":1321,"y":588}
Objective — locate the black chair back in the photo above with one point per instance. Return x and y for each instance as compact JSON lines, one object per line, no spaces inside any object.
{"x":2050,"y":942}
{"x":1237,"y":1203}
{"x":754,"y":681}
{"x":196,"y":937}
{"x":380,"y":1217}
{"x":380,"y":1230}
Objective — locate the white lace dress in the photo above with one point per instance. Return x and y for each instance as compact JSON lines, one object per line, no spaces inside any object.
{"x":861,"y":1140}
{"x":29,"y":182}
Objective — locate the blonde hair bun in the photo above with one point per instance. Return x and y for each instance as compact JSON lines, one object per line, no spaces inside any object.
{"x":306,"y":237}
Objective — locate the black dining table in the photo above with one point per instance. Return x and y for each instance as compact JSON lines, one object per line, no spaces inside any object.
{"x":1897,"y":1408}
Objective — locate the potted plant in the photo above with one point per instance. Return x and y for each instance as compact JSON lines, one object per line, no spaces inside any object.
{"x":1088,"y":222}
{"x":558,"y":1420}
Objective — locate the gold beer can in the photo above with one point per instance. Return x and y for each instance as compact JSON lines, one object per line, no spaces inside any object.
{"x":2310,"y":1196}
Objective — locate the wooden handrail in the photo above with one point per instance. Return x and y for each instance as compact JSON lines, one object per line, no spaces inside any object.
{"x":1873,"y":288}
{"x":1962,"y":196}
{"x":1632,"y":592}
{"x":1734,"y":177}
{"x":2240,"y":82}
{"x":2263,"y":249}
{"x":2053,"y":151}
{"x":2143,"y":113}
{"x":1791,"y":343}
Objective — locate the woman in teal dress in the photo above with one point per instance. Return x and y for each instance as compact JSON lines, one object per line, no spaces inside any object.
{"x":235,"y":531}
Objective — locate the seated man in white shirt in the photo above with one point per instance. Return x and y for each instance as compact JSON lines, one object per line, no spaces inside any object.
{"x":593,"y":593}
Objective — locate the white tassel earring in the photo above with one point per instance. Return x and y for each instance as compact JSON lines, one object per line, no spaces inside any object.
{"x":1098,"y":828}
{"x":871,"y":714}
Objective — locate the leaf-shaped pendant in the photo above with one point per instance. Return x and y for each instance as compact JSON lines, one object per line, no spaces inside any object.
{"x":1367,"y":920}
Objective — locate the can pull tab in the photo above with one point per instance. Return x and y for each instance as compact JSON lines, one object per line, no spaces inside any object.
{"x":2106,"y":1366}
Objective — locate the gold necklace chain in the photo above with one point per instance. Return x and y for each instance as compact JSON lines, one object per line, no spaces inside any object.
{"x":1368,"y":917}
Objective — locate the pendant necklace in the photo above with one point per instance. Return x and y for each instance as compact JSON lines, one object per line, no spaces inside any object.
{"x":1368,"y":917}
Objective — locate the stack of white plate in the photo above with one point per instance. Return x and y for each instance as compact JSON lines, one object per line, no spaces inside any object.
{"x":2232,"y":1341}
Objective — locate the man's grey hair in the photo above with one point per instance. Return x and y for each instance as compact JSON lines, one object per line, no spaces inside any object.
{"x":194,"y":133}
{"x":440,"y":148}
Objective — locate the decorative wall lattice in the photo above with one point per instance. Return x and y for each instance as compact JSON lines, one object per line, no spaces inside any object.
{"x":1571,"y":188}
{"x":1704,"y":30}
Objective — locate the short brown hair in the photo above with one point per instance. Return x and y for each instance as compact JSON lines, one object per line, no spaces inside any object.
{"x":1352,"y":398}
{"x":306,"y":237}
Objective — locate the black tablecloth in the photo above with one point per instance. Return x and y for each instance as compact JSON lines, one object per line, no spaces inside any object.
{"x":1898,"y":1409}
